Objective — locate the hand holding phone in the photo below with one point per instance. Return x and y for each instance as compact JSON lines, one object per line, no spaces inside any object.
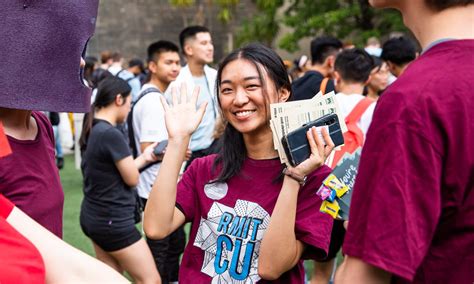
{"x":296,"y":143}
{"x":160,"y":148}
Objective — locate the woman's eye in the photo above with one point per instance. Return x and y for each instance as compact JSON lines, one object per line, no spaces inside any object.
{"x":226,"y":90}
{"x":252,"y":86}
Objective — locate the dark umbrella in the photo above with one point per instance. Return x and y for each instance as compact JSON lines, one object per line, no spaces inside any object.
{"x":41,"y":44}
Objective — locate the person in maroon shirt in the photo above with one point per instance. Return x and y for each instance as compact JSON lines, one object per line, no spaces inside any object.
{"x":52,"y":58}
{"x":412,"y":212}
{"x":249,"y":223}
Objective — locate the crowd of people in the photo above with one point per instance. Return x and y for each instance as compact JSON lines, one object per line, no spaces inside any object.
{"x":167,"y":144}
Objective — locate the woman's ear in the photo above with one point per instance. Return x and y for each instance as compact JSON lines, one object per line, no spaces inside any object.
{"x":152,"y":66}
{"x":368,"y":79}
{"x":283,"y":95}
{"x":119,"y":100}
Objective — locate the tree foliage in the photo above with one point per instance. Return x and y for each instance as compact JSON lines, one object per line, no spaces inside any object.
{"x":352,"y":20}
{"x":225,"y":11}
{"x":263,"y":26}
{"x":347,"y":20}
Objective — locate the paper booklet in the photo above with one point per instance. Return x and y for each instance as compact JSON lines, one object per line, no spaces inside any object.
{"x":288,"y":116}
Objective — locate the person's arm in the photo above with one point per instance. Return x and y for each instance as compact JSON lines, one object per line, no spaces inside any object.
{"x":161,"y":215}
{"x":280,"y":250}
{"x":63,"y":263}
{"x":129,"y":168}
{"x":354,"y":271}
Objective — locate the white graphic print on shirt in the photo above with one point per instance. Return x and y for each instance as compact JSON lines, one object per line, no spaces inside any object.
{"x":230,"y":238}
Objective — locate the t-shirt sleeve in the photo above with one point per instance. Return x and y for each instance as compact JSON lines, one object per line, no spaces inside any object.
{"x":44,"y":123}
{"x":396,"y":201}
{"x":114,"y":144}
{"x":153,"y":127}
{"x":186,"y":192}
{"x":6,"y":207}
{"x":313,"y":227}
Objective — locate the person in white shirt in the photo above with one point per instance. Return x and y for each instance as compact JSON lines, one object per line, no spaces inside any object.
{"x":352,"y":71}
{"x":149,"y":127}
{"x":197,"y":47}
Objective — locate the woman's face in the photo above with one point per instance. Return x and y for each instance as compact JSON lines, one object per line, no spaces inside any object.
{"x":242,"y":97}
{"x":379,"y":78}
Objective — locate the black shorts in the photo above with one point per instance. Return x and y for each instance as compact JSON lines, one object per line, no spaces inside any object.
{"x":337,"y":238}
{"x":110,"y":235}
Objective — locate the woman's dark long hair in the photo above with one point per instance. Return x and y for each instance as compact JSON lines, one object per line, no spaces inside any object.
{"x":107,"y":91}
{"x":233,"y":153}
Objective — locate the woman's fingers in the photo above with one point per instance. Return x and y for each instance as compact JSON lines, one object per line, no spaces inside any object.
{"x":174,"y":96}
{"x":201,"y":110}
{"x":318,"y":140}
{"x":183,"y":93}
{"x":166,"y":107}
{"x":195,"y":95}
{"x":329,"y":143}
{"x":312,"y":143}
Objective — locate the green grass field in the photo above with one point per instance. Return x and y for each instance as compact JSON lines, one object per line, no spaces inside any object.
{"x":71,"y":180}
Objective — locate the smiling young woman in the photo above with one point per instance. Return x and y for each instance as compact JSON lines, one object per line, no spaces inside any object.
{"x":249,"y":221}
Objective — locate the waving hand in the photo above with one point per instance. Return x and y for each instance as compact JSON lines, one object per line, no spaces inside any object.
{"x":182,"y":118}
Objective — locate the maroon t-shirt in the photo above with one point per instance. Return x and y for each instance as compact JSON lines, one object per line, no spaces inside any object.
{"x":29,"y":177}
{"x":412,"y":211}
{"x":229,"y":221}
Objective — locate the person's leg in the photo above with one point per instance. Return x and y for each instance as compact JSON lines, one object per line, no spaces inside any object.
{"x":137,"y":260}
{"x":323,"y":271}
{"x":159,"y":250}
{"x":177,"y":243}
{"x":103,"y":256}
{"x":58,"y":148}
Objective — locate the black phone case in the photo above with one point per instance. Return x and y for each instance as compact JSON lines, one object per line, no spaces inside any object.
{"x":296,"y":143}
{"x":160,"y":147}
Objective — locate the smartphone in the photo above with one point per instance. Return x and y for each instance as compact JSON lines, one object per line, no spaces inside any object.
{"x":160,"y":148}
{"x":296,"y":143}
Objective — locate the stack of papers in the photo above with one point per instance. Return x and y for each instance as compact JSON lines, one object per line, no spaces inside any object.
{"x":289,"y":116}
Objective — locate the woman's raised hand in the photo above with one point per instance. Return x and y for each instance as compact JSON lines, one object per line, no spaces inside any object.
{"x":320,"y":150}
{"x":182,"y":118}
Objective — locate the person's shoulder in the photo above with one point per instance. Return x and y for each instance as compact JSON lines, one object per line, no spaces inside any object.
{"x":40,"y":118}
{"x":309,"y":77}
{"x":44,"y":124}
{"x":439,"y":70}
{"x":125,"y":74}
{"x":150,"y":99}
{"x":149,"y":87}
{"x":203,"y":164}
{"x":108,"y":131}
{"x":184,"y":74}
{"x":208,"y":69}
